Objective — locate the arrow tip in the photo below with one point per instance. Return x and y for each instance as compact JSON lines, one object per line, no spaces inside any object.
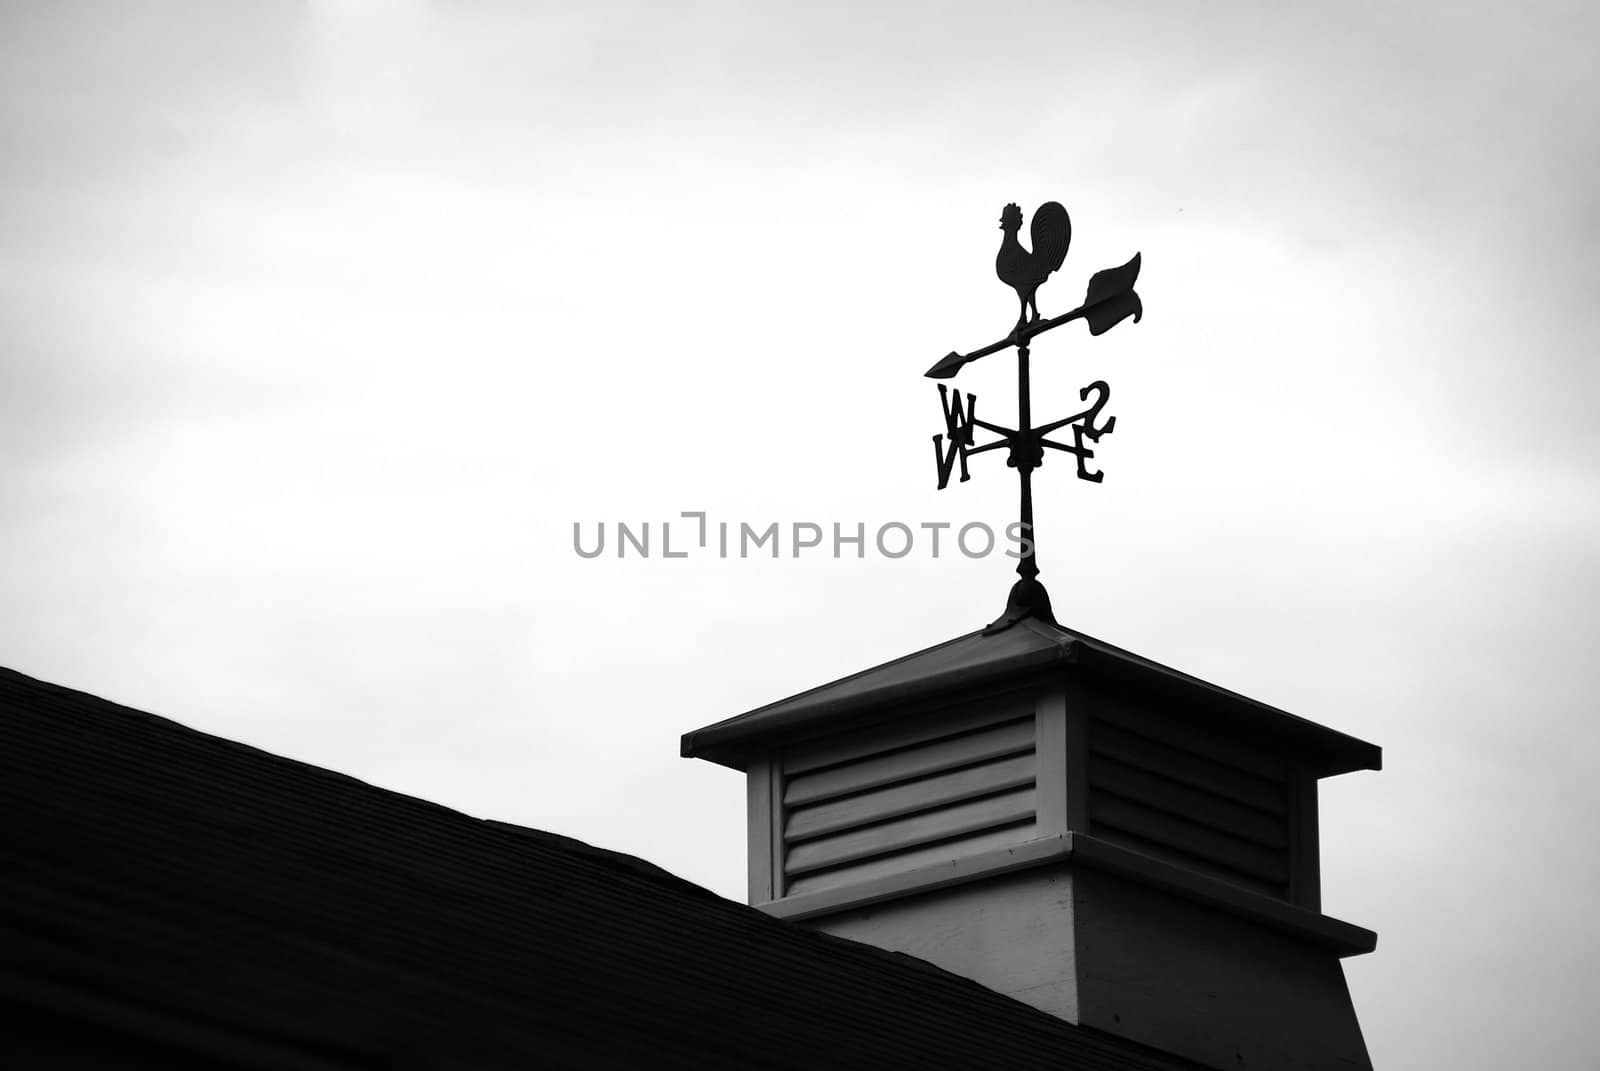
{"x":947,"y":366}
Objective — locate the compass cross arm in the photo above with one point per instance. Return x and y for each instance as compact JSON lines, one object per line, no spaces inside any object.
{"x":1079,"y":450}
{"x":986,"y":447}
{"x":1009,"y":433}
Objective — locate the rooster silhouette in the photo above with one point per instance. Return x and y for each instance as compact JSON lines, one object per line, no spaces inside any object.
{"x":1024,"y":271}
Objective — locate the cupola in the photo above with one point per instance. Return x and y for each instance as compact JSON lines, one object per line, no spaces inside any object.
{"x":1112,"y":841}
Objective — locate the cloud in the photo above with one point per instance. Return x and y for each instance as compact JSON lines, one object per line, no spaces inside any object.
{"x":324,"y":323}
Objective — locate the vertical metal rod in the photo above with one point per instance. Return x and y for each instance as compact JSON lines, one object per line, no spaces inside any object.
{"x":1027,"y":567}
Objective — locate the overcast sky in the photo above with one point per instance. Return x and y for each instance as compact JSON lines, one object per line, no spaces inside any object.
{"x":322,"y":324}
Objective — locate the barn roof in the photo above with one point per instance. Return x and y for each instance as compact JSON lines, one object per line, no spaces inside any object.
{"x":172,"y":897}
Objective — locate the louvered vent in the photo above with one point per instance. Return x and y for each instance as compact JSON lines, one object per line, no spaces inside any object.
{"x":1213,"y":809}
{"x":905,"y":799}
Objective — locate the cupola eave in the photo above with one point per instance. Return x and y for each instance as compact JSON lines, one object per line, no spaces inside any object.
{"x":980,"y":661}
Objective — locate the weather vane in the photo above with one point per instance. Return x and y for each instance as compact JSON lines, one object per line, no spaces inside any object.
{"x":1110,"y":300}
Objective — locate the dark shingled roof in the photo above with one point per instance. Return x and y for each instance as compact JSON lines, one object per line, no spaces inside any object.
{"x":1027,"y":651}
{"x":169,"y":898}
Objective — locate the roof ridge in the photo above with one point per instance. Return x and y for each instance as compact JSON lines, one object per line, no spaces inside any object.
{"x":633,"y":864}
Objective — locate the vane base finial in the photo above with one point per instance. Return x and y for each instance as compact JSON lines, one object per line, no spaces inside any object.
{"x":1028,"y":599}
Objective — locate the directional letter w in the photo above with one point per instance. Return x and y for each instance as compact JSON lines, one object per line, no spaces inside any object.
{"x":958,"y":426}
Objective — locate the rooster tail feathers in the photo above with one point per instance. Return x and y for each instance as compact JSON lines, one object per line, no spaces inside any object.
{"x":1051,"y":231}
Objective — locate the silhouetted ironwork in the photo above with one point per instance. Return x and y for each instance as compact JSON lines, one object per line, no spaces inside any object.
{"x":1023,"y":271}
{"x":1110,"y":299}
